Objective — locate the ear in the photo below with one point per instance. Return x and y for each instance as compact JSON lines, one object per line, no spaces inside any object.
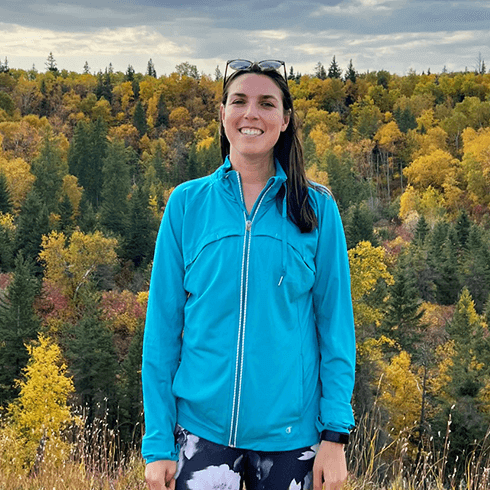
{"x":222,"y":112}
{"x":285,"y":123}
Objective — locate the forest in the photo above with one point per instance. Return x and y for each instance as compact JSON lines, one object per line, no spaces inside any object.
{"x":87,"y":164}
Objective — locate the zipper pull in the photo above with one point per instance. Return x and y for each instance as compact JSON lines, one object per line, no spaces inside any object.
{"x":248,"y":225}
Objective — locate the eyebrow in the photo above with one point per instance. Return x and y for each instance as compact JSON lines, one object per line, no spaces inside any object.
{"x":237,"y":94}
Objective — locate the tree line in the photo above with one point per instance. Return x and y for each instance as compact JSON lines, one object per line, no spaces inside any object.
{"x":88,"y":161}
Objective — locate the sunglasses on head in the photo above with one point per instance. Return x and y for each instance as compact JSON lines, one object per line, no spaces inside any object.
{"x":264,"y":65}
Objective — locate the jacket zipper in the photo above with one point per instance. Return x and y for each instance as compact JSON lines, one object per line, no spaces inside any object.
{"x":247,"y":239}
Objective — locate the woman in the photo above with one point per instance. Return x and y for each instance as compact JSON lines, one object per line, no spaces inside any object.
{"x":249,"y":350}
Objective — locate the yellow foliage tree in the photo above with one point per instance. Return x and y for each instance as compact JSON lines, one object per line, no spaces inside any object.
{"x":71,"y":266}
{"x":432,"y":170}
{"x":368,"y":266}
{"x":401,"y":394}
{"x":41,"y":412}
{"x":19,"y":179}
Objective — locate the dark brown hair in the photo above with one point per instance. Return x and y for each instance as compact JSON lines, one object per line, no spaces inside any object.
{"x":288,"y":150}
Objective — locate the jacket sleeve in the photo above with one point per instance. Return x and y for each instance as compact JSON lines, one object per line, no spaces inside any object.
{"x":334,"y":320}
{"x":163,"y":335}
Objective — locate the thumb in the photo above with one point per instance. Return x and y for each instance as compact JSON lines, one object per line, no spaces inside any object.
{"x":317,"y":477}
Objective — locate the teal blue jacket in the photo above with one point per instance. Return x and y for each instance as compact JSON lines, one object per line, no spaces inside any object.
{"x":249,"y":337}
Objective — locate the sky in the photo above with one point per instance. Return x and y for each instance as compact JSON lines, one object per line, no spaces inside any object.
{"x":392,"y":35}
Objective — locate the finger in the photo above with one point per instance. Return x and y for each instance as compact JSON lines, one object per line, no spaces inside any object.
{"x":171,"y":485}
{"x":317,"y":478}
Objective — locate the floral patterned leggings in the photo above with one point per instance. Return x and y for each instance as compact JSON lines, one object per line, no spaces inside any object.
{"x":204,"y":465}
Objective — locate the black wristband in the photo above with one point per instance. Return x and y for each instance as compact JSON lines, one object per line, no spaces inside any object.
{"x":332,"y":436}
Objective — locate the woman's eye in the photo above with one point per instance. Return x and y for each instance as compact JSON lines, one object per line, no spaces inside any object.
{"x":237,"y":101}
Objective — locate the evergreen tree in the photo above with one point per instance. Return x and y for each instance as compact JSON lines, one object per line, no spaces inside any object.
{"x":139,"y":118}
{"x":49,"y":170}
{"x":86,"y":68}
{"x":18,"y":326}
{"x":291,"y":75}
{"x":5,"y":200}
{"x":115,"y":189}
{"x":33,"y":223}
{"x":463,"y":225}
{"x":162,"y":113}
{"x":92,"y":360}
{"x":104,"y":86}
{"x":129,"y":77}
{"x":421,"y":231}
{"x":359,"y":225}
{"x":475,"y":266}
{"x":87,"y":151}
{"x":7,"y":244}
{"x":66,"y":223}
{"x":217,"y":74}
{"x":334,"y":70}
{"x":87,"y":218}
{"x":51,"y":64}
{"x":142,"y":230}
{"x":150,"y":69}
{"x":131,"y":391}
{"x":405,"y":119}
{"x":7,"y":103}
{"x":351,"y":73}
{"x":447,"y":279}
{"x":320,"y":71}
{"x":402,"y":321}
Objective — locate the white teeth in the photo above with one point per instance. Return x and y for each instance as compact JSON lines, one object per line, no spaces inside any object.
{"x":251,"y":132}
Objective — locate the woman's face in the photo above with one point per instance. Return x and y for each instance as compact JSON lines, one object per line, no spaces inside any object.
{"x":253,"y":117}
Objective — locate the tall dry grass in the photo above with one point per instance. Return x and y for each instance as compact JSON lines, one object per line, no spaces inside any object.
{"x":377,"y":461}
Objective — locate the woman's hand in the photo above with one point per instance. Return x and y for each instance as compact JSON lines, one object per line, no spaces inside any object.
{"x":329,"y":466}
{"x":159,"y":475}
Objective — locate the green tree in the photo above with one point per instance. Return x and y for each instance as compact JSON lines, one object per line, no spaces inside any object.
{"x":51,"y":64}
{"x":104,"y":86}
{"x":150,"y":69}
{"x":86,"y":68}
{"x":5,"y":198}
{"x":7,"y":103}
{"x":447,"y":280}
{"x":463,"y":225}
{"x":32,"y":224}
{"x":320,"y":71}
{"x":162,"y":113}
{"x":351,"y":73}
{"x":142,"y":229}
{"x":49,"y":170}
{"x":334,"y":70}
{"x":421,"y":231}
{"x":86,"y":154}
{"x":187,"y":70}
{"x":358,"y":225}
{"x":115,"y":189}
{"x":131,"y":389}
{"x":93,"y":362}
{"x":403,"y":316}
{"x":18,"y":326}
{"x":139,"y":118}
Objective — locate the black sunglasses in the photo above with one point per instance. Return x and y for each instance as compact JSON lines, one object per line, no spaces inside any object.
{"x":264,"y":65}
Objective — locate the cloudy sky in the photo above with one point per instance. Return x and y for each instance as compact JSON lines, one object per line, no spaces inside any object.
{"x":394,"y":35}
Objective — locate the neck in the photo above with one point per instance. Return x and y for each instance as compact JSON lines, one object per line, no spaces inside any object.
{"x":253,"y":171}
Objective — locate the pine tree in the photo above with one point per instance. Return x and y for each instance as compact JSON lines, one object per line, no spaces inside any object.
{"x":49,"y":170}
{"x":150,"y":69}
{"x":92,"y":360}
{"x":334,"y":70}
{"x":359,"y":225}
{"x":129,"y":77}
{"x":33,"y":223}
{"x":66,"y":223}
{"x":18,"y":326}
{"x":463,"y":225}
{"x":217,"y":74}
{"x":162,"y":113}
{"x":320,"y":71}
{"x":139,"y":118}
{"x":5,"y":199}
{"x":104,"y":86}
{"x":142,"y":229}
{"x":421,"y":231}
{"x":115,"y":189}
{"x":86,"y":154}
{"x":402,"y":321}
{"x":131,"y":392}
{"x":51,"y":64}
{"x":447,"y":278}
{"x":351,"y":73}
{"x":86,"y":68}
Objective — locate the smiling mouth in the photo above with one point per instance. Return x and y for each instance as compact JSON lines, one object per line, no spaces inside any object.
{"x":251,"y":132}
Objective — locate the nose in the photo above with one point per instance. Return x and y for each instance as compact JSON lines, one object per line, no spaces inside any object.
{"x":251,"y":111}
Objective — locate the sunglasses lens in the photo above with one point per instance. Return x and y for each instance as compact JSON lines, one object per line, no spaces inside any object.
{"x":239,"y":64}
{"x":270,"y":65}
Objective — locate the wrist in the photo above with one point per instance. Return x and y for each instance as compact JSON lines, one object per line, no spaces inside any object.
{"x":333,"y":436}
